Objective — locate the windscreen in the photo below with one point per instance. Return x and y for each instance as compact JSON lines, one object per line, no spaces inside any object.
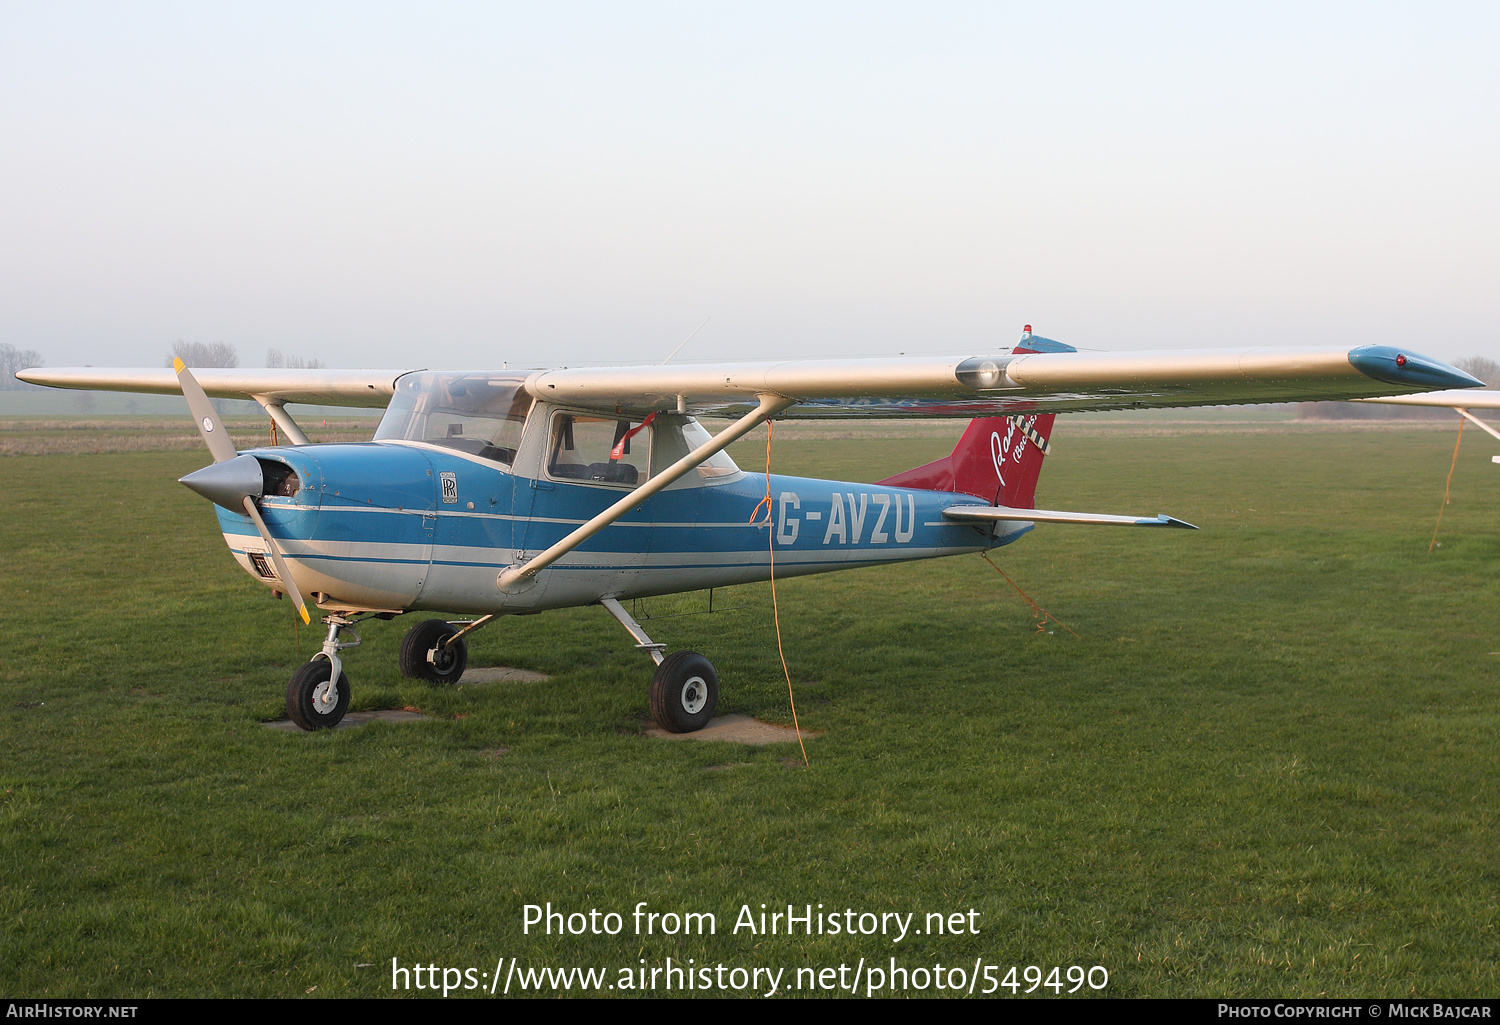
{"x":480,"y":414}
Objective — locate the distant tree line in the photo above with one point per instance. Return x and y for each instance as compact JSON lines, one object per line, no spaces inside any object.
{"x":13,"y":359}
{"x":204,"y":354}
{"x":274,"y":358}
{"x":222,"y":354}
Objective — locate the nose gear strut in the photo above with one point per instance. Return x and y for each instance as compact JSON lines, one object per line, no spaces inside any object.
{"x":318,"y":694}
{"x":332,"y":645}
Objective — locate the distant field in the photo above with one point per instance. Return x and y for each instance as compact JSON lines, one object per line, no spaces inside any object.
{"x":57,"y":403}
{"x":1267,"y":764}
{"x":78,"y":435}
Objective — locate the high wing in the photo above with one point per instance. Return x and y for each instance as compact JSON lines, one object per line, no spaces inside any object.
{"x":1005,"y":382}
{"x":320,"y":387}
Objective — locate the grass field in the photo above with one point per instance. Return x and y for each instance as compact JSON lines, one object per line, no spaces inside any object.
{"x":1267,"y":764}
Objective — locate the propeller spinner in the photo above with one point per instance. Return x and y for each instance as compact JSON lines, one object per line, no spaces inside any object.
{"x":233,"y":481}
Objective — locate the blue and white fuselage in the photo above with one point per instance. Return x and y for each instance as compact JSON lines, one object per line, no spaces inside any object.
{"x":372,"y":526}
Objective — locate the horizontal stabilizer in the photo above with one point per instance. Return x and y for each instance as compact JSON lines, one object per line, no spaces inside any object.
{"x":993,"y":513}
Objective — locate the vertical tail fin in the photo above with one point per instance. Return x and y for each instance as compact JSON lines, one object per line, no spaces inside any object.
{"x":999,"y":458}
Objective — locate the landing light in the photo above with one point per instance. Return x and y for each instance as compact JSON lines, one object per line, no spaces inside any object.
{"x":980,"y":373}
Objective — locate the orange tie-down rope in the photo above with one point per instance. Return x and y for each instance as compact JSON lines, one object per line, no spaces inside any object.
{"x":1433,"y":543}
{"x":1041,"y":614}
{"x":775,"y":608}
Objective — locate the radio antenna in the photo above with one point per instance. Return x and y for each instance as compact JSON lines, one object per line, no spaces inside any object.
{"x":689,"y":338}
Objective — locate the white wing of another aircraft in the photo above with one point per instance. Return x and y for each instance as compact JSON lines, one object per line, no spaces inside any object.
{"x":1460,"y":400}
{"x":1001,"y":383}
{"x":1466,"y":398}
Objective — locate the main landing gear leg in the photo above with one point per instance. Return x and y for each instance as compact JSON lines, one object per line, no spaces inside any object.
{"x":318,"y":695}
{"x":684,"y":688}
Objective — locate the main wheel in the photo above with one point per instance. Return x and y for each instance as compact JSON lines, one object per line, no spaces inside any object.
{"x":684,"y":692}
{"x":425,"y":657}
{"x":313,"y":700}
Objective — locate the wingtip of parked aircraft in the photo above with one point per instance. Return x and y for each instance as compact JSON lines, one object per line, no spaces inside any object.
{"x":1391,"y":365}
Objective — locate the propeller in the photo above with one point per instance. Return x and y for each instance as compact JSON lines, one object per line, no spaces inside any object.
{"x":233,"y":481}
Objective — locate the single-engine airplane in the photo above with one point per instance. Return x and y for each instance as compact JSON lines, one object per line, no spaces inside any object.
{"x":494,"y":493}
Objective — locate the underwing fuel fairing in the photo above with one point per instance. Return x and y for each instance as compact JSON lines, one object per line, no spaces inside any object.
{"x":492,"y":493}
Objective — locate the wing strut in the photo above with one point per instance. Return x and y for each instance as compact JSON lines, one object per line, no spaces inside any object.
{"x":1476,"y":421}
{"x":282,"y":419}
{"x":768,"y":407}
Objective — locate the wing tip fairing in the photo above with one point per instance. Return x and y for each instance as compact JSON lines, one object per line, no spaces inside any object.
{"x":1390,"y":365}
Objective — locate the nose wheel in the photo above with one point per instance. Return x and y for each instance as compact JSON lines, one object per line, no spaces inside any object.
{"x":315,"y":700}
{"x":318,"y":695}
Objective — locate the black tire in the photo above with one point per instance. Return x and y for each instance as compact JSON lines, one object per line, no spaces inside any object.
{"x":423,"y":657}
{"x":308,"y":696}
{"x":684,"y":692}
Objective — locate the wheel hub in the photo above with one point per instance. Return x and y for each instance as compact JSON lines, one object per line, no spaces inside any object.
{"x":694,"y":695}
{"x":325,"y":697}
{"x":442,"y":658}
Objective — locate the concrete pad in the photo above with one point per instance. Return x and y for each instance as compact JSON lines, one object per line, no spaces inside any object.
{"x":352,"y":719}
{"x":501,"y":674}
{"x":737,"y":729}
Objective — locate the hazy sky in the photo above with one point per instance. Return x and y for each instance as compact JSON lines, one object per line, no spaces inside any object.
{"x":460,"y":185}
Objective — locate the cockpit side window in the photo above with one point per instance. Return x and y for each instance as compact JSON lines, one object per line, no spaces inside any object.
{"x":481,"y":414}
{"x":598,"y":450}
{"x":675,"y":436}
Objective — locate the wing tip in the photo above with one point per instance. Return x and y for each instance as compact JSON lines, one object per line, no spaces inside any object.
{"x":1390,"y":365}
